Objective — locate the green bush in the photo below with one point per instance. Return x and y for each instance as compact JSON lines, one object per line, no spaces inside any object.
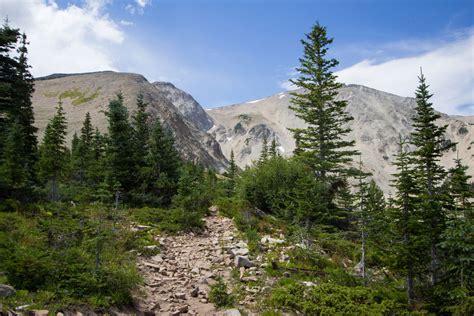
{"x":331,"y":299}
{"x":173,"y":220}
{"x":219,"y":294}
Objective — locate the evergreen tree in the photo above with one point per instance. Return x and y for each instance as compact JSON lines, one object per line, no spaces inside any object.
{"x":13,"y":174}
{"x":75,"y":157}
{"x":232,"y":174}
{"x":163,"y":164}
{"x":363,"y":217}
{"x":141,"y":131}
{"x":120,"y":149}
{"x":23,"y":87}
{"x":96,"y":172}
{"x":430,"y":143}
{"x":264,"y":152}
{"x":320,"y":145}
{"x":458,"y":242}
{"x":405,"y":221}
{"x":53,"y":152}
{"x":273,"y":151}
{"x":16,"y":112}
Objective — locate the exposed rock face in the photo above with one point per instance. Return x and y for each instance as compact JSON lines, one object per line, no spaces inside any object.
{"x":91,"y":92}
{"x":379,"y":118}
{"x":185,"y":104}
{"x":6,"y":290}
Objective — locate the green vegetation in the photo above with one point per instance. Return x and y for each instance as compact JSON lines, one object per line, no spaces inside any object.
{"x":219,"y":294}
{"x":77,"y":96}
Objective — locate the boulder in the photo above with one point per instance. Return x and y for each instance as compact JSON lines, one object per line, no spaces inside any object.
{"x":38,"y":313}
{"x":229,"y":312}
{"x":241,"y":261}
{"x":6,"y":290}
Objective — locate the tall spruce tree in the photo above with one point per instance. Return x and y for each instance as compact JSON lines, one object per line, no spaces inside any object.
{"x":163,"y":164}
{"x":321,"y":144}
{"x":430,"y":143}
{"x":141,"y":131}
{"x":120,"y":149}
{"x":16,"y":112}
{"x":264,"y":151}
{"x":405,"y":220}
{"x":54,"y":153}
{"x":273,"y":151}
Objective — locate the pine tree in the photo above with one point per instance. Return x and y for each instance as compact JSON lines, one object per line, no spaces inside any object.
{"x":264,"y":152}
{"x":13,"y":173}
{"x":141,"y":131}
{"x":161,"y":175}
{"x":53,"y":152}
{"x":232,"y":173}
{"x":405,"y":220}
{"x":320,"y":145}
{"x":430,"y":143}
{"x":16,"y":112}
{"x":458,"y":237}
{"x":363,"y":217}
{"x":23,"y":87}
{"x":120,"y":149}
{"x":273,"y":151}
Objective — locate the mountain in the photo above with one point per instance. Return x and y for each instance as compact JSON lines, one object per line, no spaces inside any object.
{"x":91,"y":92}
{"x":379,"y":118}
{"x":185,"y":104}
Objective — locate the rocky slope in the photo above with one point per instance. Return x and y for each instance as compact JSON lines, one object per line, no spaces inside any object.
{"x":379,"y":118}
{"x":91,"y":92}
{"x":186,"y":104}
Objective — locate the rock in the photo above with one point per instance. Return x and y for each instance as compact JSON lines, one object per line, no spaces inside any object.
{"x":157,"y":258}
{"x":269,"y":240}
{"x":249,"y":279}
{"x":229,"y":312}
{"x":239,"y":252}
{"x":241,"y":261}
{"x":241,"y":244}
{"x":242,"y":272}
{"x":143,"y":227}
{"x":6,"y":290}
{"x":156,"y":306}
{"x":308,"y":283}
{"x":180,"y":296}
{"x":180,"y":310}
{"x":194,"y":292}
{"x":42,"y":312}
{"x":59,"y":314}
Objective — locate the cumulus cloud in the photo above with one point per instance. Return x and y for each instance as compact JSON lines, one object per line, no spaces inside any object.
{"x":449,"y":69}
{"x":70,"y":39}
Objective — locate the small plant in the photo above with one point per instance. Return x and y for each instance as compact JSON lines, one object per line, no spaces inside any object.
{"x":219,"y":294}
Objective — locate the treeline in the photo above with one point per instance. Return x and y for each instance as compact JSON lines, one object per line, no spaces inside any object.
{"x":422,"y":236}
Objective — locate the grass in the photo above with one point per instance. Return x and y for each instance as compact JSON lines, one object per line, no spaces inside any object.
{"x":75,"y":94}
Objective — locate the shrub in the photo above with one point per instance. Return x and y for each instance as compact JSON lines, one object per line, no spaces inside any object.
{"x":219,"y":294}
{"x":331,"y":299}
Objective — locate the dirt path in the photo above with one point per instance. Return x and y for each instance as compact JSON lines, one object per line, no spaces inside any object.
{"x":177,"y":280}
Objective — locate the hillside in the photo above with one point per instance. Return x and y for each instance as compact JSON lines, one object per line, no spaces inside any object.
{"x":379,"y":118}
{"x":91,"y":92}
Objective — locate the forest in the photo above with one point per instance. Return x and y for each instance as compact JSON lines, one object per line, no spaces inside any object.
{"x":67,"y":212}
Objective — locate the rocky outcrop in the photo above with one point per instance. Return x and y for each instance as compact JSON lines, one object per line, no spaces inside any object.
{"x":185,"y":104}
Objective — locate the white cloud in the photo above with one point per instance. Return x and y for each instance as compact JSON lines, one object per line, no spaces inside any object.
{"x":143,"y":3}
{"x":71,"y":39}
{"x":138,"y":6}
{"x":126,"y":23}
{"x":287,"y":85}
{"x":449,"y":69}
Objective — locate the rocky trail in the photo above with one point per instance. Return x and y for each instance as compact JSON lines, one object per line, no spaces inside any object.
{"x":177,"y":281}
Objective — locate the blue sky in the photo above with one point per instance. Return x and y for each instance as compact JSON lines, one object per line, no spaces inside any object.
{"x":225,"y":52}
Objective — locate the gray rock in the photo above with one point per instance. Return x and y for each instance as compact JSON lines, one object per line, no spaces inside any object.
{"x":229,"y":312}
{"x":6,"y":290}
{"x":241,"y":261}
